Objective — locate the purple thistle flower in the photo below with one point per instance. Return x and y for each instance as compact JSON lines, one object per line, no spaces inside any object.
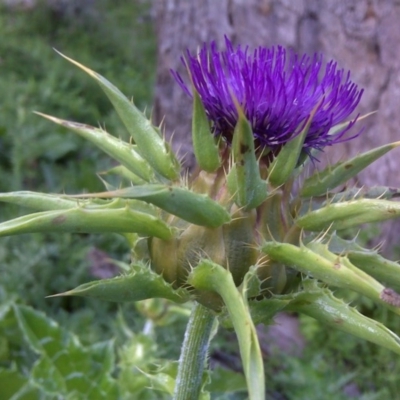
{"x":277,"y":90}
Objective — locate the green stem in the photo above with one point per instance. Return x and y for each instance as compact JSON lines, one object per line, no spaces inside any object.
{"x":208,"y":275}
{"x":193,"y":353}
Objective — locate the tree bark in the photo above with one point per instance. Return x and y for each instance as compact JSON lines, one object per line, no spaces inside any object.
{"x":362,"y":35}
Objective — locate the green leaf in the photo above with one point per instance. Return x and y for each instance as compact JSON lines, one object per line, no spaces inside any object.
{"x":210,"y":276}
{"x":332,"y":176}
{"x":204,"y":146}
{"x":192,"y":207}
{"x":82,"y":220}
{"x":103,"y":355}
{"x":315,"y":259}
{"x":15,"y":386}
{"x":226,"y":381}
{"x":370,"y":261}
{"x":140,"y":284}
{"x":348,"y":214}
{"x":64,"y":365}
{"x":377,"y":266}
{"x":271,"y":214}
{"x":136,"y":356}
{"x":53,"y":202}
{"x":121,"y":151}
{"x":248,"y":188}
{"x":151,"y":146}
{"x":320,"y":304}
{"x":323,"y":306}
{"x":51,"y":378}
{"x":124,"y":173}
{"x":38,"y":201}
{"x":376,"y":192}
{"x":286,"y":161}
{"x":263,"y":311}
{"x":160,"y":381}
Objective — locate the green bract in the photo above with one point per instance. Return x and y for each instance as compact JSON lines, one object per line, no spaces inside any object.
{"x":238,"y":236}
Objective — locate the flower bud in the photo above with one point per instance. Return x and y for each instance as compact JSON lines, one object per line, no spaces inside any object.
{"x":229,"y":245}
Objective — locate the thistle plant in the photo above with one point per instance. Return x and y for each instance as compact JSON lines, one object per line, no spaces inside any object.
{"x":257,"y":228}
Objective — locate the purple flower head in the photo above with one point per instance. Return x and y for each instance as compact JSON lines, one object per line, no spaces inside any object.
{"x":277,"y":90}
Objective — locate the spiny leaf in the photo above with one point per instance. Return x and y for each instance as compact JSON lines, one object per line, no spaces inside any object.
{"x":332,"y":176}
{"x":140,"y":284}
{"x":39,"y":201}
{"x":315,"y":259}
{"x":152,"y":147}
{"x":348,"y":214}
{"x":204,"y":146}
{"x":286,"y":161}
{"x":121,"y":151}
{"x":81,"y":220}
{"x":47,"y":202}
{"x":376,"y":192}
{"x":337,"y":314}
{"x":248,"y":188}
{"x":320,"y":304}
{"x":52,"y":202}
{"x":370,"y":261}
{"x":377,"y":266}
{"x":192,"y":207}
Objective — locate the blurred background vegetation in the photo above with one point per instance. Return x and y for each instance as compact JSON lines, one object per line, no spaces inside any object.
{"x":116,"y":38}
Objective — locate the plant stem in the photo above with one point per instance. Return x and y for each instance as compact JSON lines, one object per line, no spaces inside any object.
{"x":193,"y":353}
{"x":208,"y":275}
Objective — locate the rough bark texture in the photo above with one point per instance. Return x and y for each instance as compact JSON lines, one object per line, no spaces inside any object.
{"x":362,"y":35}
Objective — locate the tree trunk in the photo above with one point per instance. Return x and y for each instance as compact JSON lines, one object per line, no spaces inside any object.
{"x":362,"y":35}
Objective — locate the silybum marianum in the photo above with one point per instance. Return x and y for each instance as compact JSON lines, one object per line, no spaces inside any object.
{"x":250,"y":209}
